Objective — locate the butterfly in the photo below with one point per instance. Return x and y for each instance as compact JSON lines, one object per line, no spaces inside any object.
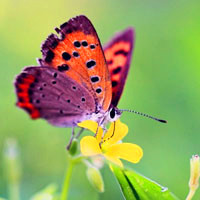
{"x":76,"y":79}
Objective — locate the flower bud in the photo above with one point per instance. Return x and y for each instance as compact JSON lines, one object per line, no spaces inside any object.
{"x":73,"y":147}
{"x":194,"y":176}
{"x":194,"y":172}
{"x":95,"y":178}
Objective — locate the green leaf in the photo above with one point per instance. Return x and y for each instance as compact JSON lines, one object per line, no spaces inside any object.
{"x":137,"y":187}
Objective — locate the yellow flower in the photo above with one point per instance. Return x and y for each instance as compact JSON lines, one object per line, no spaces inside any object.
{"x":108,"y":144}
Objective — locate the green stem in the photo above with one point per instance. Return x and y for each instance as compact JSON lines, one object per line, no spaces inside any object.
{"x":65,"y":189}
{"x":71,"y":162}
{"x":13,"y":191}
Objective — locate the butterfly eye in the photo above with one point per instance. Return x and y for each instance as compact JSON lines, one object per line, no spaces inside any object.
{"x":112,"y":113}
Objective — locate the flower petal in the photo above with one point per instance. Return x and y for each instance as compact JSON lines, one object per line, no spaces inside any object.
{"x":114,"y":160}
{"x":92,"y":126}
{"x":89,"y":146}
{"x":115,"y":133}
{"x":127,"y":151}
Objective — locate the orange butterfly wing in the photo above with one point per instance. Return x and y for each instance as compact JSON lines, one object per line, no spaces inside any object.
{"x":79,"y":54}
{"x":118,"y":55}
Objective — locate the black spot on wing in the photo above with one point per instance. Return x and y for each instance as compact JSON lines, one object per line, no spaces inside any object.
{"x":75,"y":54}
{"x":114,"y":83}
{"x":49,"y":56}
{"x":84,"y":43}
{"x":50,"y":43}
{"x":121,"y":51}
{"x":63,"y":68}
{"x":55,"y":75}
{"x":74,"y":87}
{"x":92,"y":46}
{"x":66,"y":56}
{"x":98,"y":90}
{"x":77,"y":44}
{"x":117,"y":70}
{"x":90,"y":64}
{"x":94,"y":79}
{"x":109,"y":62}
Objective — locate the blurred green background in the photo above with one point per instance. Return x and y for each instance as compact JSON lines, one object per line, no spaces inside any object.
{"x":163,"y":81}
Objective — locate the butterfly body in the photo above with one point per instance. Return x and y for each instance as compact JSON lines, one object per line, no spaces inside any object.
{"x":76,"y":79}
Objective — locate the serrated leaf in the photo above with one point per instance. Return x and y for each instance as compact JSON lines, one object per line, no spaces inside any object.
{"x":137,"y":187}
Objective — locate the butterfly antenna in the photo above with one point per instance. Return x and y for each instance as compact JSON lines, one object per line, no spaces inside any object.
{"x":145,"y":115}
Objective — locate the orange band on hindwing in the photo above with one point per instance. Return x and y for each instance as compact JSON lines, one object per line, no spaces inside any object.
{"x":23,"y":84}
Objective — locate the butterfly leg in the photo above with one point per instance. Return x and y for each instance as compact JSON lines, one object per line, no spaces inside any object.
{"x":96,"y":131}
{"x":71,"y":139}
{"x":79,"y":133}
